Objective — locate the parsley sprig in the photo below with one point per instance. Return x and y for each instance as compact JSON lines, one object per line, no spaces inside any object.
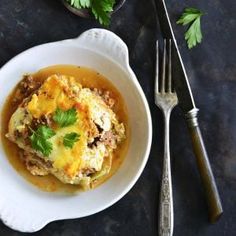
{"x":80,"y":3}
{"x":70,"y":139}
{"x":65,"y":118}
{"x":101,"y":9}
{"x":39,"y":139}
{"x":193,"y":35}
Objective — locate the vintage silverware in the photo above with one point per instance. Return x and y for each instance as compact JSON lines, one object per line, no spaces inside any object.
{"x":166,"y":100}
{"x":190,"y":112}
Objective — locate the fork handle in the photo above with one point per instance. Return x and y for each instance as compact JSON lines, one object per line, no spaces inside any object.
{"x":166,"y":217}
{"x":204,"y":167}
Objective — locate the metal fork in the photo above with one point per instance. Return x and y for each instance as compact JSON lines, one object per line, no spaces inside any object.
{"x":166,"y":100}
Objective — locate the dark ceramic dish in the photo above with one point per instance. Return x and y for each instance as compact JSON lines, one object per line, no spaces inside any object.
{"x":86,"y":13}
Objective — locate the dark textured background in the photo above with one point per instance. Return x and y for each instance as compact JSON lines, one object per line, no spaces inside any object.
{"x":212,"y":70}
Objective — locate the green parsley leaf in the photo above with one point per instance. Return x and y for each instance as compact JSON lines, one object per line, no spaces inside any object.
{"x":193,"y":35}
{"x":70,"y":139}
{"x":102,"y":9}
{"x":80,"y":3}
{"x":39,"y":140}
{"x":65,"y":118}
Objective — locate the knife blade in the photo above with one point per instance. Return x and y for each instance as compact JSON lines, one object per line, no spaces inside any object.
{"x":190,"y":111}
{"x":182,"y":87}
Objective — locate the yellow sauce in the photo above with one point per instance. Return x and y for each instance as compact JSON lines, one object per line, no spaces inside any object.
{"x":88,"y":78}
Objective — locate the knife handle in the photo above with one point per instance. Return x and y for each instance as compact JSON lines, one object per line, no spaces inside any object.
{"x":204,"y":167}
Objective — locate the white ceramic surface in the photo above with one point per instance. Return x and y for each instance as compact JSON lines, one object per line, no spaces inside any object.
{"x":25,"y":208}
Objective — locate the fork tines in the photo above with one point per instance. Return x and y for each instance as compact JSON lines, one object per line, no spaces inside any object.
{"x":163,"y":82}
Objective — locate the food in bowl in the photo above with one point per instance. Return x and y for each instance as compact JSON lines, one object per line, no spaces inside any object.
{"x":69,"y":122}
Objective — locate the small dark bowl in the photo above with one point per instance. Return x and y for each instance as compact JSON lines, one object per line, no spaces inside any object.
{"x":85,"y":13}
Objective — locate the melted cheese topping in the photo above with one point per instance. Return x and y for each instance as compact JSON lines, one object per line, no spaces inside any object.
{"x":65,"y":92}
{"x":56,"y":93}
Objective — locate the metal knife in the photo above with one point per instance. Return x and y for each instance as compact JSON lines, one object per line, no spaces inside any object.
{"x":190,"y":112}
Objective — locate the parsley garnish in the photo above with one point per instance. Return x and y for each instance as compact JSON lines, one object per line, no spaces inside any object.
{"x":193,"y":35}
{"x":65,"y":118}
{"x":39,"y":139}
{"x":70,"y":139}
{"x":80,"y":3}
{"x":101,"y":9}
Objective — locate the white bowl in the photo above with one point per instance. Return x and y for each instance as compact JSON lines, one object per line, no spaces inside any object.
{"x":25,"y":208}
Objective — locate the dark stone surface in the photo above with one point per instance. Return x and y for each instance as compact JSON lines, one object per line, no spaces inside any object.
{"x":211,"y":68}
